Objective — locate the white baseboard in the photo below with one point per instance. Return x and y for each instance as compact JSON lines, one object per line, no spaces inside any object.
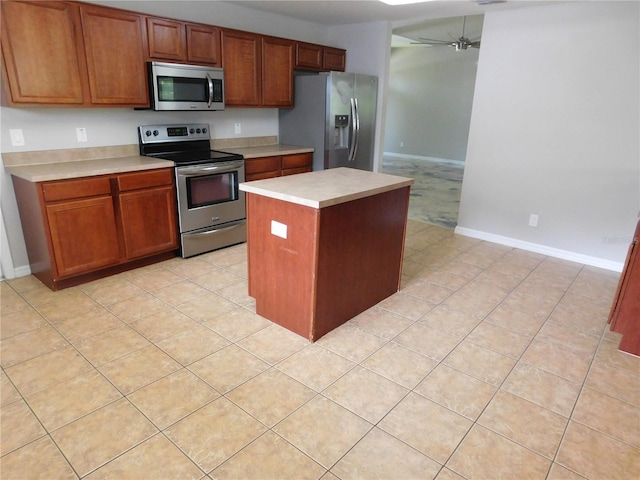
{"x":18,"y":272}
{"x":543,"y":249}
{"x":405,"y":156}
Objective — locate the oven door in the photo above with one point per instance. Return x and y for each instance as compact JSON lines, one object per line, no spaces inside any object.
{"x":208,"y":194}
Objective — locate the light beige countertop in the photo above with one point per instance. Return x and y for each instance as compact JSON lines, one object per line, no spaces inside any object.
{"x":268,"y":150}
{"x":324,"y":188}
{"x":43,"y":172}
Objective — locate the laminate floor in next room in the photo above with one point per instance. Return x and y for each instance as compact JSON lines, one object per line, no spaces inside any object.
{"x":490,"y":362}
{"x":435,"y":195}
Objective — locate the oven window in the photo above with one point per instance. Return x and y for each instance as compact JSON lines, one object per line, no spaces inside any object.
{"x":181,"y":89}
{"x":212,"y":189}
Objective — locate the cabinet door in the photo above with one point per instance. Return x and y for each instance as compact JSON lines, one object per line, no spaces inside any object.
{"x":203,"y":45}
{"x":42,"y":50}
{"x":83,"y":234}
{"x":242,"y":62}
{"x":277,"y":72}
{"x":334,"y":59}
{"x":148,"y":221}
{"x":166,"y":39}
{"x":114,"y":42}
{"x":308,"y":56}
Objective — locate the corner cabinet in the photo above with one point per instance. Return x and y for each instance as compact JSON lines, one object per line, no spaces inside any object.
{"x":625,"y":311}
{"x":86,"y":228}
{"x":258,"y":70}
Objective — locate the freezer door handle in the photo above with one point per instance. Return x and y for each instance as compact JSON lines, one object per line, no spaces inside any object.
{"x":355,"y":129}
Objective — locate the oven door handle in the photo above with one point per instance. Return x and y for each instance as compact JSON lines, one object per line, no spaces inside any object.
{"x":198,"y":171}
{"x":216,"y":230}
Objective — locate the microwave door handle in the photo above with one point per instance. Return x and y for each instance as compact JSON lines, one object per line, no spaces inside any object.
{"x":210,"y":82}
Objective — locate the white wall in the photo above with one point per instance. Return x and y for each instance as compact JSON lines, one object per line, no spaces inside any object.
{"x":430,"y":96}
{"x":555,"y":130}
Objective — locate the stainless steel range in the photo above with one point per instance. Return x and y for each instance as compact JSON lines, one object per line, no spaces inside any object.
{"x":211,"y":207}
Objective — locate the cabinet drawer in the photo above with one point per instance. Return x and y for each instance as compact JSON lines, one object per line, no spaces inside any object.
{"x":146,"y":179}
{"x":250,"y":177}
{"x":80,"y":188}
{"x":264,"y":164}
{"x":297,"y":160}
{"x":293,"y":171}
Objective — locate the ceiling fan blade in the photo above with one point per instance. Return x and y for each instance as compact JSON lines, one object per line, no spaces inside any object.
{"x":427,"y":44}
{"x":474,"y":44}
{"x":431,"y":40}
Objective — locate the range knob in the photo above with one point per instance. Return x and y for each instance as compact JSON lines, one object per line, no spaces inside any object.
{"x":156,"y":133}
{"x":198,"y":130}
{"x":192,"y":131}
{"x":147,"y":133}
{"x":204,"y":130}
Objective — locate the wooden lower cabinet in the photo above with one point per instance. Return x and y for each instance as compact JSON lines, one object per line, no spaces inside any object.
{"x":148,"y":221}
{"x":82,"y":229}
{"x":83,"y":234}
{"x":625,"y":311}
{"x":277,"y":166}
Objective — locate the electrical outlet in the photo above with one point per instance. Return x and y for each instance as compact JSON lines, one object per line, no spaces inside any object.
{"x":238,"y":128}
{"x":81,"y":132}
{"x":17,"y":138}
{"x":401,"y":144}
{"x":533,"y":220}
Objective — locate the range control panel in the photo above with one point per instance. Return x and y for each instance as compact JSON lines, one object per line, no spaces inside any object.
{"x":174,"y":133}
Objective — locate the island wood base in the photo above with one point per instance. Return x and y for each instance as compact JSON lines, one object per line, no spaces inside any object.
{"x":336,"y":261}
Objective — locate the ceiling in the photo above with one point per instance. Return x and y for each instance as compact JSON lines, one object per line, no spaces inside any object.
{"x":344,"y":12}
{"x":431,"y":19}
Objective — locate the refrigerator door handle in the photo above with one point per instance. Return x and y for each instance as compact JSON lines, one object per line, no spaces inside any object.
{"x":355,"y":126}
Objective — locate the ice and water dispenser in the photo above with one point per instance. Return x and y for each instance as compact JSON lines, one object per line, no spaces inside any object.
{"x":341,"y":131}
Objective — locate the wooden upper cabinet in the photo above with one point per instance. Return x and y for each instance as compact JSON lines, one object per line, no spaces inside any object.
{"x":308,"y":56}
{"x":166,"y":39}
{"x":334,"y":59}
{"x":242,"y":61}
{"x":175,"y":41}
{"x":203,"y":45}
{"x":114,"y":44}
{"x":43,"y":53}
{"x":277,"y":72}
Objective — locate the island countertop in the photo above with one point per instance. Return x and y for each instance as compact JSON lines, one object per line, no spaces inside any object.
{"x":324,"y":188}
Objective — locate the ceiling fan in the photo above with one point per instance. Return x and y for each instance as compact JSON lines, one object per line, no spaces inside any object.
{"x":461,"y":43}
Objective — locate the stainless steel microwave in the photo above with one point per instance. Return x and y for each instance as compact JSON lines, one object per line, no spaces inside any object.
{"x":174,"y":86}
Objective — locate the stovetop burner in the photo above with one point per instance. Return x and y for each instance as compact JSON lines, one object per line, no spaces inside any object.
{"x":186,"y":144}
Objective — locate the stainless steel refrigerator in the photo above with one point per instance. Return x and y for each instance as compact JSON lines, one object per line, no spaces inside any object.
{"x":335,"y":113}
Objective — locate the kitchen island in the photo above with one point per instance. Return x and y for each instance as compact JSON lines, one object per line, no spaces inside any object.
{"x":324,"y":246}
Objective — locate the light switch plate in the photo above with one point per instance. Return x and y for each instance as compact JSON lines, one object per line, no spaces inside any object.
{"x":278,"y":229}
{"x":17,"y":138}
{"x":81,"y":133}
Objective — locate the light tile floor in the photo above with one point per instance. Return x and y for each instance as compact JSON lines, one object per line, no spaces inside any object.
{"x":490,"y":362}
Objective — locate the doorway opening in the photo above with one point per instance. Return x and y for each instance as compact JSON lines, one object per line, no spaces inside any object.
{"x":430,"y":96}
